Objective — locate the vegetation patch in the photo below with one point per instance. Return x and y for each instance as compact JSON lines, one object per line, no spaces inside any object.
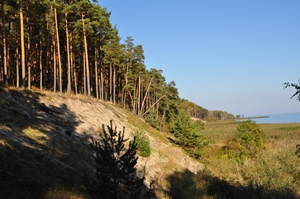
{"x":273,"y":172}
{"x":36,"y":135}
{"x":205,"y":185}
{"x":115,"y":175}
{"x":246,"y":142}
{"x":188,"y":134}
{"x":290,"y":128}
{"x":143,"y":143}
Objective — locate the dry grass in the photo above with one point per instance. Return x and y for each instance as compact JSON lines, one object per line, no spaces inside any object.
{"x":273,"y":173}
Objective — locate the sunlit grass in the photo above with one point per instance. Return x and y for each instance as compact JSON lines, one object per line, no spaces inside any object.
{"x":36,"y":135}
{"x":220,"y":131}
{"x":273,"y":170}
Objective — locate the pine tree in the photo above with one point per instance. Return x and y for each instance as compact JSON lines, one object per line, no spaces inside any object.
{"x":187,"y":134}
{"x":115,"y":166}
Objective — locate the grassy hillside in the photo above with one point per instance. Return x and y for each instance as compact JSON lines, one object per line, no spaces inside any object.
{"x":44,"y":145}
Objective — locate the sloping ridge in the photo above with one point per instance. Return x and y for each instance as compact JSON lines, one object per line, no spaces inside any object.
{"x":44,"y":144}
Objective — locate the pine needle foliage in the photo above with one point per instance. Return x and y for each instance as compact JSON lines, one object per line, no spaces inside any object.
{"x":143,"y":143}
{"x":115,"y":166}
{"x":187,"y":134}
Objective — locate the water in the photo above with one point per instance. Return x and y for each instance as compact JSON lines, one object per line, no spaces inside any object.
{"x":279,"y":118}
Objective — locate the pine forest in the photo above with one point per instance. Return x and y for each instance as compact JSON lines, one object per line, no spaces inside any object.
{"x":71,"y":47}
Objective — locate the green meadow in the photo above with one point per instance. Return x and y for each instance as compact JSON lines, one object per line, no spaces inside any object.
{"x":272,"y":172}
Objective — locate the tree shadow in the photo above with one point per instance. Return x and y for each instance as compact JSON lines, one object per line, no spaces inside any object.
{"x":38,"y":145}
{"x":203,"y":185}
{"x":40,"y":150}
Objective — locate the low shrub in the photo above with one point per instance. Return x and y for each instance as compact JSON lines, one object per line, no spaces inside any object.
{"x":143,"y":143}
{"x":247,"y":141}
{"x":249,"y":134}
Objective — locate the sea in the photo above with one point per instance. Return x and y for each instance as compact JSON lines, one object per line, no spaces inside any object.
{"x":279,"y":118}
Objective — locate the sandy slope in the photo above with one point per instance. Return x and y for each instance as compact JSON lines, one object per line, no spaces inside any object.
{"x":80,"y":118}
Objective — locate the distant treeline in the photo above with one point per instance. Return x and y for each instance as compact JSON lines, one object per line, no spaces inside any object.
{"x":219,"y":115}
{"x":199,"y":112}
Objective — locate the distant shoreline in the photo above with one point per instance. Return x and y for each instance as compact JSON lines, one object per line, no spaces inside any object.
{"x":275,"y":118}
{"x":257,"y":117}
{"x":253,"y":117}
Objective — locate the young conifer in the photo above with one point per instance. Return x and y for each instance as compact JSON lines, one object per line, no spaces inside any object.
{"x":115,"y":166}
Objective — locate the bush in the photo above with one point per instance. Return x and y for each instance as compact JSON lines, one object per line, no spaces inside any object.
{"x":143,"y":144}
{"x":248,"y":140}
{"x":250,"y":135}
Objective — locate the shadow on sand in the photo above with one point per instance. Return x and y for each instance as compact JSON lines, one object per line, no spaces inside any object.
{"x":40,"y":149}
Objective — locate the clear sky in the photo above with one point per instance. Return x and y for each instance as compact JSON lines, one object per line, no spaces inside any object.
{"x":223,"y":55}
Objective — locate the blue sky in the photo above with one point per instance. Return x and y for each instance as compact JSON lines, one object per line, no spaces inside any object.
{"x":223,"y":55}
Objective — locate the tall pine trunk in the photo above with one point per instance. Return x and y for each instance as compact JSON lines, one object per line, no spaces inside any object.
{"x":54,"y":66}
{"x":86,"y":57}
{"x":101,"y":76}
{"x":71,"y":62}
{"x":17,"y":67}
{"x":114,"y":84}
{"x":101,"y":84}
{"x":84,"y":74}
{"x":29,"y":62}
{"x":4,"y":48}
{"x":126,"y":83}
{"x":110,"y":81}
{"x":22,"y":46}
{"x":58,"y":50}
{"x":96,"y":73}
{"x":41,"y":64}
{"x":5,"y":59}
{"x":68,"y":56}
{"x":139,"y":96}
